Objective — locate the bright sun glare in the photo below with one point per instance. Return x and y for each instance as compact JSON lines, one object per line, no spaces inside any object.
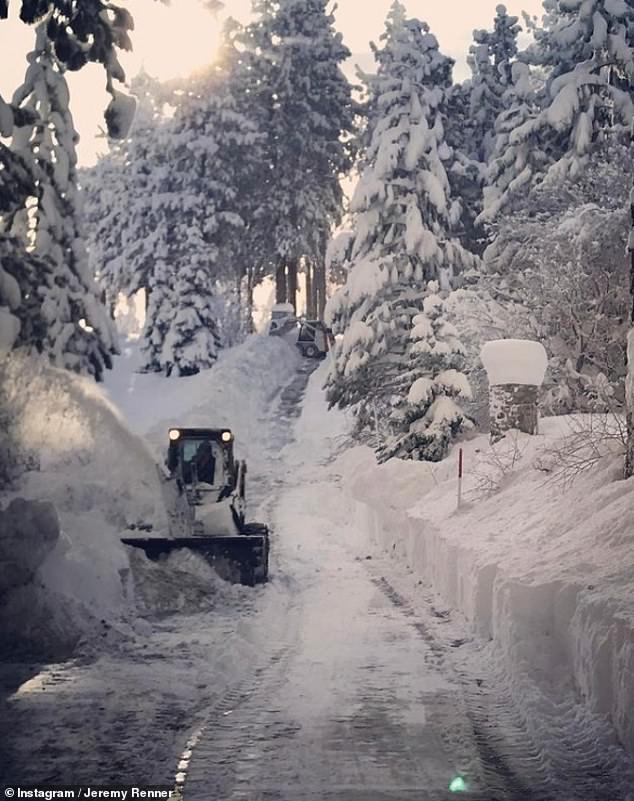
{"x":176,"y":40}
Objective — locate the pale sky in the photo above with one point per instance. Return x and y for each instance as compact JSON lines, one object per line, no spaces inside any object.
{"x":174,"y":40}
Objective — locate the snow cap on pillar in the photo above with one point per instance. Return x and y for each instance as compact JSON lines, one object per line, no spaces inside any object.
{"x":515,"y":361}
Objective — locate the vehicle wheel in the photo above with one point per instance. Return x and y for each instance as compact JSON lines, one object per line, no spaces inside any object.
{"x":310,"y":352}
{"x":256,"y":529}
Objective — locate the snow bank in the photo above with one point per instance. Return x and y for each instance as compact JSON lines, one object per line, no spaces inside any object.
{"x":544,"y":570}
{"x":79,"y":458}
{"x":238,"y":393}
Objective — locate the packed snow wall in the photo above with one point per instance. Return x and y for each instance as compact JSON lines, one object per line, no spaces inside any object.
{"x":543,"y":573}
{"x":79,"y":478}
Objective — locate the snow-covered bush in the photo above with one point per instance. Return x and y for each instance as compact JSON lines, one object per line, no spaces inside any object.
{"x":494,"y":466}
{"x":590,"y":438}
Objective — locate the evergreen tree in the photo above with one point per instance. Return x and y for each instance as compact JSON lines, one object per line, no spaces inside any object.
{"x":629,"y":382}
{"x":473,"y":109}
{"x":427,"y":416}
{"x":587,"y":48}
{"x":404,"y":216}
{"x":118,"y":193}
{"x":76,"y":34}
{"x":466,"y":176}
{"x":490,"y":57}
{"x":212,"y":152}
{"x":584,"y":50}
{"x":307,"y":112}
{"x":78,"y":333}
{"x":176,"y":261}
{"x":518,"y":157}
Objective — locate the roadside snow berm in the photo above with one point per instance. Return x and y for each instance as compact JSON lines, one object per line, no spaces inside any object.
{"x":208,"y":504}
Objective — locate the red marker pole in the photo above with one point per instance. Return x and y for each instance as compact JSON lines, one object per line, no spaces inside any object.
{"x":460,"y":474}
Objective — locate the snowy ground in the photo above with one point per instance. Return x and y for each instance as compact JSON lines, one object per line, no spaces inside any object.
{"x":345,"y":678}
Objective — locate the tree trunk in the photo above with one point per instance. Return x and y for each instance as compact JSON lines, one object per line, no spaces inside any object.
{"x":292,"y":284}
{"x":319,"y":282}
{"x":629,"y":386}
{"x":250,"y":323}
{"x":281,"y":289}
{"x":310,"y":307}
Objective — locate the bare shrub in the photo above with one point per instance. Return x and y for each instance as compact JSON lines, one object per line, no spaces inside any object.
{"x":591,"y":438}
{"x":495,"y":466}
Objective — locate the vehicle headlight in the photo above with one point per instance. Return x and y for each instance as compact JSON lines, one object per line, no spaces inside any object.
{"x":175,"y":434}
{"x":227,"y":436}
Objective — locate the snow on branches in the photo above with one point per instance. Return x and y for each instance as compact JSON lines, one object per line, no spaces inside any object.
{"x":579,"y":92}
{"x":404,"y":218}
{"x":427,"y":414}
{"x":70,"y":324}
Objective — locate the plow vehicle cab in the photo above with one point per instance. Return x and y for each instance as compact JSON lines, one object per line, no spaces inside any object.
{"x":202,"y":463}
{"x":210,"y":501}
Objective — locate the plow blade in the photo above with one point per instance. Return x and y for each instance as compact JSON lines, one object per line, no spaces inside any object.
{"x":244,"y":558}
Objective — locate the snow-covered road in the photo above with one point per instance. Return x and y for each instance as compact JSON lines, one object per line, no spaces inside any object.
{"x":352,"y":703}
{"x":339,"y":680}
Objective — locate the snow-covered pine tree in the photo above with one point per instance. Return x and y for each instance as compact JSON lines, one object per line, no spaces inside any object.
{"x":16,"y":186}
{"x":404,"y":216}
{"x":78,"y":333}
{"x":78,"y":34}
{"x":473,"y":108}
{"x":518,"y":157}
{"x":308,"y":113}
{"x":466,"y":175}
{"x":584,"y":49}
{"x":213,"y":157}
{"x":231,"y":113}
{"x":428,"y":416}
{"x":629,"y":381}
{"x":490,"y":58}
{"x":118,"y":197}
{"x":180,"y":336}
{"x":587,"y":47}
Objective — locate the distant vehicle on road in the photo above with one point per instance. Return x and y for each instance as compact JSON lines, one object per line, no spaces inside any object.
{"x":283,"y":319}
{"x":314,"y":339}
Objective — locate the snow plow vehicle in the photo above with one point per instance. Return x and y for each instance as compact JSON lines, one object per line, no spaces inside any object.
{"x":209,"y":506}
{"x":314,"y":339}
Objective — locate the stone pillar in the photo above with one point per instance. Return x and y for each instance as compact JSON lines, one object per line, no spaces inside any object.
{"x":516,"y":370}
{"x":514,"y":406}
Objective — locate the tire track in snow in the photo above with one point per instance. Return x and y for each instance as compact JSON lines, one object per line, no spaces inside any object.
{"x":572,"y":761}
{"x":279,"y":434}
